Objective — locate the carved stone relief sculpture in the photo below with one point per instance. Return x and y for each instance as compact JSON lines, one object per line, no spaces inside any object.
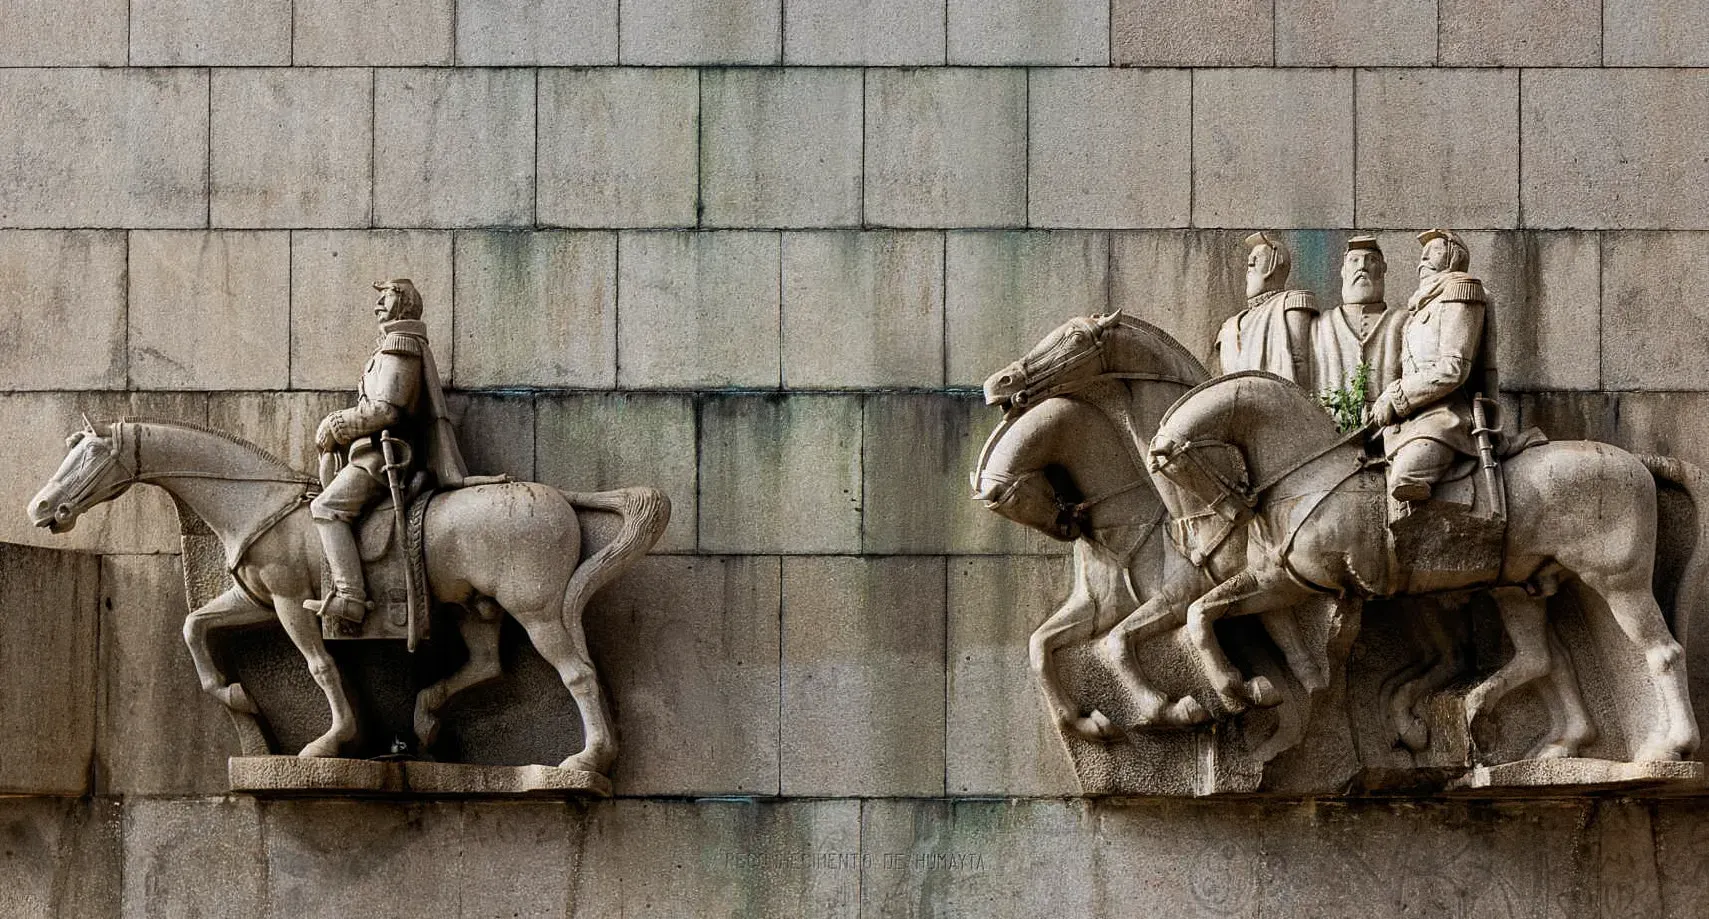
{"x":1369,"y":553}
{"x":392,"y":529}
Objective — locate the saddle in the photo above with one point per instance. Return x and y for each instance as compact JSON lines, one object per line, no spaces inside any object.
{"x":389,"y":564}
{"x":1460,"y":534}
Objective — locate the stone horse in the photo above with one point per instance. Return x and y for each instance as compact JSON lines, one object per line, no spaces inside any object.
{"x":504,"y":548}
{"x":1068,"y":460}
{"x":1259,"y":450}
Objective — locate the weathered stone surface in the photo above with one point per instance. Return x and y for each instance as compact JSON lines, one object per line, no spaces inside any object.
{"x":347,"y":858}
{"x":946,"y":147}
{"x":688,"y":651}
{"x":1438,"y":148}
{"x":292,"y":147}
{"x":142,"y":520}
{"x":1188,"y":283}
{"x":1109,"y":148}
{"x":672,"y":32}
{"x":862,"y":309}
{"x":203,"y":857}
{"x":917,"y":451}
{"x":495,"y":433}
{"x":1655,"y":33}
{"x":537,"y":32}
{"x":45,"y":33}
{"x":281,"y":423}
{"x":780,"y":474}
{"x":536,"y":309}
{"x":1652,"y":336}
{"x":987,"y":32}
{"x":1185,"y":33}
{"x":1339,"y":33}
{"x":332,"y":33}
{"x":1256,"y":162}
{"x":334,"y":777}
{"x":1005,"y":290}
{"x":1000,"y":740}
{"x":872,"y":32}
{"x":697,"y":309}
{"x":104,"y":148}
{"x":1547,"y":290}
{"x":600,"y":441}
{"x":1597,"y":156}
{"x":453,"y":147}
{"x":62,"y":309}
{"x":209,"y":310}
{"x":781,"y":148}
{"x":1680,"y":828}
{"x":158,"y":733}
{"x":1521,"y":33}
{"x":640,"y":168}
{"x":61,"y":858}
{"x":333,"y":273}
{"x":48,"y":615}
{"x":863,"y":677}
{"x":220,"y":32}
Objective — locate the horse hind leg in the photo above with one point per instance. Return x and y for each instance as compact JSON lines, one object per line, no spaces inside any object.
{"x":479,"y":626}
{"x":1570,"y":727}
{"x":1674,"y":734}
{"x":1525,"y":619}
{"x":560,"y":640}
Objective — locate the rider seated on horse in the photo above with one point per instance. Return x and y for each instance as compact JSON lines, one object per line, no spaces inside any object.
{"x":399,"y":396}
{"x":1426,"y":415}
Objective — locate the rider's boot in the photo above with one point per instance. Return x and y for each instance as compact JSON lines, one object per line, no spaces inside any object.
{"x":349,"y":601}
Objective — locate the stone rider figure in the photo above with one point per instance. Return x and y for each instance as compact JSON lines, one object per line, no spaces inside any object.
{"x":1427,"y":414}
{"x":399,"y":395}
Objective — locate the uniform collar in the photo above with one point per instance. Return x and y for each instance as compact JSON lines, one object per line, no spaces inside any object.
{"x":404,"y":327}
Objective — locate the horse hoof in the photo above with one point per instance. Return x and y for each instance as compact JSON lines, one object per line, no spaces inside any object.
{"x":1657,"y":753}
{"x":1262,"y":692}
{"x":1415,"y":735}
{"x":582,"y":762}
{"x":236,"y":699}
{"x":320,"y":748}
{"x":1096,"y":726}
{"x":1554,"y":751}
{"x":1188,"y":711}
{"x":426,"y":730}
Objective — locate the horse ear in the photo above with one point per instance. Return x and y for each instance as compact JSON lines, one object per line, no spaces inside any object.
{"x":88,"y":426}
{"x":1105,"y":322}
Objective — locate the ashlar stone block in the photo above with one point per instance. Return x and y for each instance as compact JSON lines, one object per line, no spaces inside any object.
{"x":1188,"y":283}
{"x":104,"y":148}
{"x":780,"y":474}
{"x":331,"y":857}
{"x":1654,"y":329}
{"x":536,"y":309}
{"x":1109,"y":148}
{"x":619,"y":147}
{"x":48,"y":33}
{"x":1355,"y":33}
{"x":510,"y":33}
{"x":1004,"y":291}
{"x":333,"y":273}
{"x":62,"y":309}
{"x":201,"y":857}
{"x":62,"y":857}
{"x":946,"y":147}
{"x":454,"y":147}
{"x":698,"y":309}
{"x":387,"y":33}
{"x":688,"y":649}
{"x":600,"y":441}
{"x":292,"y":147}
{"x":1655,"y":33}
{"x":177,"y":33}
{"x":1272,"y":148}
{"x":282,"y":423}
{"x":209,"y":310}
{"x":862,"y":309}
{"x":1187,"y":33}
{"x":1547,"y":290}
{"x":996,"y":32}
{"x":49,"y":602}
{"x":1438,"y":148}
{"x":863,"y":677}
{"x":1522,"y":33}
{"x":1615,"y":148}
{"x":495,"y":432}
{"x":781,"y":148}
{"x":675,"y":32}
{"x":871,"y":32}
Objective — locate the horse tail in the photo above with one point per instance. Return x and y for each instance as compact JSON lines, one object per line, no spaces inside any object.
{"x":1695,"y":481}
{"x":645,"y":513}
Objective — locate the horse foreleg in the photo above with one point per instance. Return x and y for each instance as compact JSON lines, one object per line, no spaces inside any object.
{"x":304,"y":630}
{"x":1570,"y":727}
{"x":1154,"y":617}
{"x":1073,"y":617}
{"x":1524,"y":618}
{"x":1438,"y":664}
{"x":228,"y":610}
{"x":479,"y":627}
{"x":1254,"y":590}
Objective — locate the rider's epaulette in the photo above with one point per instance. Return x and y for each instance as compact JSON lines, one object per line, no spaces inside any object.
{"x":1298,"y":300}
{"x":400,"y":343}
{"x":1464,"y":290}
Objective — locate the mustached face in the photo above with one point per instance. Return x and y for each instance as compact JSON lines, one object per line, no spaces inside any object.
{"x":1362,"y":276}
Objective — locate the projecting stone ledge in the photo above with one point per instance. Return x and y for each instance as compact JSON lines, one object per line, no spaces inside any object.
{"x":1576,"y":775}
{"x":293,"y":775}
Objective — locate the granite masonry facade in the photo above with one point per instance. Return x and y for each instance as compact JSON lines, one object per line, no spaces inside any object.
{"x":760,"y":253}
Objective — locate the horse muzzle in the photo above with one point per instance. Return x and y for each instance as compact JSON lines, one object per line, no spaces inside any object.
{"x":56,"y":518}
{"x":1003,"y":386}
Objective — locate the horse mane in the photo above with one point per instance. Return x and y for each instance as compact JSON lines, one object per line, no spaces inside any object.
{"x":260,"y":451}
{"x":1188,"y":365}
{"x":1287,"y":386}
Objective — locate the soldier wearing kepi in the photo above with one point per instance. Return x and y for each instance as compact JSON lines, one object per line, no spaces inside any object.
{"x":1273,"y":333}
{"x":1363,"y":329}
{"x":399,"y":395}
{"x":1427,"y":415}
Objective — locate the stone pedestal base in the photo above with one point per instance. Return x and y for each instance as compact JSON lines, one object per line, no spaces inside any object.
{"x":1576,"y":775}
{"x":293,"y":775}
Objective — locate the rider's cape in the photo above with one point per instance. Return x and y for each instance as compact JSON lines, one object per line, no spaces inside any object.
{"x":434,"y":434}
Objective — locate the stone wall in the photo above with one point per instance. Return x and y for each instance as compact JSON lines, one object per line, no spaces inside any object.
{"x":759,"y":252}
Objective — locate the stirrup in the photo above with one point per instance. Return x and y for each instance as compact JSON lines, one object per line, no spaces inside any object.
{"x":341,"y":606}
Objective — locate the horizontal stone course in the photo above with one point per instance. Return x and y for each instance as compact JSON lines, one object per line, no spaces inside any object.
{"x":1187,"y":33}
{"x":996,"y":32}
{"x":47,"y":33}
{"x":1437,"y":148}
{"x":524,"y":32}
{"x":219,"y":32}
{"x":946,"y":147}
{"x":1109,"y":148}
{"x":209,"y":310}
{"x":781,"y":147}
{"x":1273,"y":148}
{"x":292,"y":147}
{"x":618,"y":147}
{"x":454,"y":147}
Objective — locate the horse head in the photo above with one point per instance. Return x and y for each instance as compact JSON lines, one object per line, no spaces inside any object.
{"x":1072,"y":351}
{"x":93,"y":471}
